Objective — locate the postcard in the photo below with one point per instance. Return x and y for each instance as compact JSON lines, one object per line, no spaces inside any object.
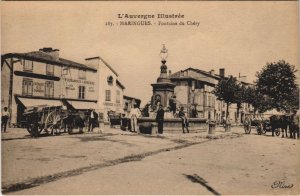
{"x":150,"y":98}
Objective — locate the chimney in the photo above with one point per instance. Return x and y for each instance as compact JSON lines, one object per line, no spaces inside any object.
{"x":53,"y":52}
{"x":222,"y":72}
{"x":212,"y":72}
{"x":93,"y":62}
{"x":243,"y":79}
{"x":181,"y":73}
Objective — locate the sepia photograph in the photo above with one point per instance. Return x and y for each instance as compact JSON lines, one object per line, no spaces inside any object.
{"x":150,"y":98}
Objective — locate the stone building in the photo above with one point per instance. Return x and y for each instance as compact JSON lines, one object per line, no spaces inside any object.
{"x":194,"y":89}
{"x":111,"y":90}
{"x":44,"y":78}
{"x":130,"y":102}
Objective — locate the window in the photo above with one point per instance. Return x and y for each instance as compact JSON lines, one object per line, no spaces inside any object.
{"x":107,"y":95}
{"x":81,"y":92}
{"x":81,"y":74}
{"x":118,"y":98}
{"x":27,"y":87}
{"x":27,"y":65}
{"x":110,"y":80}
{"x":49,"y":89}
{"x":49,"y":69}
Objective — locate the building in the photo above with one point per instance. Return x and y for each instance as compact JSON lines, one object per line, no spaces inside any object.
{"x":111,"y":90}
{"x":130,"y":102}
{"x":194,"y":89}
{"x":44,"y":78}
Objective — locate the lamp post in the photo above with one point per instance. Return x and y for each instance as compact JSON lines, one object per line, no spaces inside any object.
{"x":164,"y":54}
{"x":163,"y":68}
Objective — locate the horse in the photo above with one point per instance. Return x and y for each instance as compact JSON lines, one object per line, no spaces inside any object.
{"x":73,"y":119}
{"x":280,"y":122}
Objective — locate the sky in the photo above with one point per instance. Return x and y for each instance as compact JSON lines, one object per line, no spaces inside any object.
{"x":238,"y":36}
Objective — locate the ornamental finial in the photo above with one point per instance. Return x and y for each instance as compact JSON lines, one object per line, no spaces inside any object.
{"x":164,"y":53}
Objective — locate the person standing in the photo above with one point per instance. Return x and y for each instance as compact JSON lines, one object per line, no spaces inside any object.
{"x":160,"y":119}
{"x":93,"y":118}
{"x":80,"y":121}
{"x":184,"y":121}
{"x":4,"y":119}
{"x":133,"y":115}
{"x":295,"y":124}
{"x":194,"y":112}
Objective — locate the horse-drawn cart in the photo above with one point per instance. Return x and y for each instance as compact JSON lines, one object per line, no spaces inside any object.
{"x":50,"y":119}
{"x":43,"y":118}
{"x":261,"y":125}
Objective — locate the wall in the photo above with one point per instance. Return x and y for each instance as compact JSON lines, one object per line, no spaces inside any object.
{"x":172,"y":125}
{"x":105,"y":106}
{"x":67,"y":87}
{"x":39,"y":84}
{"x":181,"y":92}
{"x":71,"y":83}
{"x":5,"y":74}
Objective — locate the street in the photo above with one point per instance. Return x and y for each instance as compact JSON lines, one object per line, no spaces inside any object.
{"x":118,"y":162}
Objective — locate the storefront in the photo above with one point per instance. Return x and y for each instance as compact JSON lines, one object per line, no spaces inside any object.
{"x":43,"y":78}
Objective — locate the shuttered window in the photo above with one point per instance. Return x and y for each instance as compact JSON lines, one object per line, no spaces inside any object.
{"x":27,"y":87}
{"x":49,"y":89}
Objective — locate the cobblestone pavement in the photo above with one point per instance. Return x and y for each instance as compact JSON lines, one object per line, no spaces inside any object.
{"x":51,"y":165}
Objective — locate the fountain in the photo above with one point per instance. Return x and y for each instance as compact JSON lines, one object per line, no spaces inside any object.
{"x":163,"y":93}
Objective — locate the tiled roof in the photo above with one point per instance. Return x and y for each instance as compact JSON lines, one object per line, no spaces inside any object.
{"x":47,"y":58}
{"x":177,"y":74}
{"x":129,"y":97}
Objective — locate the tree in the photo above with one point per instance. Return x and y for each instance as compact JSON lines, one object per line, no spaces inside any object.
{"x":293,"y":100}
{"x":225,"y":91}
{"x":239,"y":96}
{"x":276,"y":81}
{"x":256,"y":99}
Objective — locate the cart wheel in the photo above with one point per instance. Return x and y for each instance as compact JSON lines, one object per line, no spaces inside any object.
{"x":259,"y":129}
{"x":53,"y":122}
{"x":277,"y":132}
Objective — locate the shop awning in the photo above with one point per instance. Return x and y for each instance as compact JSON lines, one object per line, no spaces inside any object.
{"x":39,"y":102}
{"x":83,"y":105}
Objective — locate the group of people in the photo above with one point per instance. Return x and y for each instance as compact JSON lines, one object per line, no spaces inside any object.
{"x":160,"y":113}
{"x":92,"y":120}
{"x":160,"y":120}
{"x":79,"y":119}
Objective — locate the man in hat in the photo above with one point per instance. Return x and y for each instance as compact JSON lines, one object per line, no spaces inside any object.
{"x":93,"y":120}
{"x":160,"y":119}
{"x":133,"y":115}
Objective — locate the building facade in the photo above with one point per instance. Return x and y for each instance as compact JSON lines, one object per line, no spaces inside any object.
{"x":194,"y":89}
{"x":130,"y":102}
{"x":44,"y":78}
{"x":111,"y":90}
